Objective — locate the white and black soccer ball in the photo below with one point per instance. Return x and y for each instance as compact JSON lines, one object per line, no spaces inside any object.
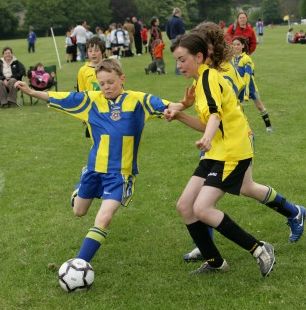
{"x":75,"y":275}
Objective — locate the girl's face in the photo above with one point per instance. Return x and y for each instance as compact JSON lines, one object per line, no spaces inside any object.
{"x":111,"y":83}
{"x":187,"y":63}
{"x":7,"y":56}
{"x":94,"y":54}
{"x":40,"y":68}
{"x":238,"y":47}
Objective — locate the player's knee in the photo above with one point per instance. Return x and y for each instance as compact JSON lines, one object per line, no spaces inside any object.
{"x":79,"y":212}
{"x":183,"y":208}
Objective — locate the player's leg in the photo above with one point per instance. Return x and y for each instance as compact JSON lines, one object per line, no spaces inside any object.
{"x":185,"y":209}
{"x":115,"y":190}
{"x":204,"y":209}
{"x":274,"y":200}
{"x":98,"y":233}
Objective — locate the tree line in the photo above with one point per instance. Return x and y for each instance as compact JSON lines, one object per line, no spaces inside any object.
{"x":16,"y":16}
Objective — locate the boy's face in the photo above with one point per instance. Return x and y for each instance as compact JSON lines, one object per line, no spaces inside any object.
{"x":111,"y":83}
{"x":94,"y":54}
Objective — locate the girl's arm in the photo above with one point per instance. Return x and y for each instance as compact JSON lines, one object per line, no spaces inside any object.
{"x":204,"y":144}
{"x":190,"y":121}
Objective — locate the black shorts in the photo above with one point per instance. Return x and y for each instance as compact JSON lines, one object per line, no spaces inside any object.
{"x":225,"y":175}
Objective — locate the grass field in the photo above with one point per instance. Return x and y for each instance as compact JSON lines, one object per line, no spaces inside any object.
{"x":140,"y":266}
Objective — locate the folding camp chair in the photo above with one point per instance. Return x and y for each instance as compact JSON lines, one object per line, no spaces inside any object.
{"x":49,"y":69}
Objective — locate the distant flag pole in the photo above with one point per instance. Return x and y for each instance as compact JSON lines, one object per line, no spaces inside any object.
{"x":56,"y":50}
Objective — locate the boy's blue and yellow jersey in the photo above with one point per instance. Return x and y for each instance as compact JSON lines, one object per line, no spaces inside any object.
{"x":115,"y":126}
{"x":245,"y":66}
{"x":87,"y":79}
{"x":214,"y":95}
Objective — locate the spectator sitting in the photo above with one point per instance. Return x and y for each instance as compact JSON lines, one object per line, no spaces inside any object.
{"x":299,"y":37}
{"x":290,"y":36}
{"x":158,"y":64}
{"x":39,"y":78}
{"x":11,"y":70}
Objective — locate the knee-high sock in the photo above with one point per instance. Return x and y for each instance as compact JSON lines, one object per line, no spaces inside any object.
{"x":229,"y":229}
{"x":279,"y":203}
{"x":92,"y":243}
{"x":266,"y":118}
{"x":200,"y":234}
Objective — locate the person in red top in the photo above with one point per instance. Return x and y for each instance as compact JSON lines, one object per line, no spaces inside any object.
{"x":158,"y":64}
{"x":241,"y":28}
{"x":144,"y":37}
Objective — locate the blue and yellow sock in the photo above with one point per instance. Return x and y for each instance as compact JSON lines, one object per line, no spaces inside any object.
{"x":279,"y":203}
{"x":92,"y":243}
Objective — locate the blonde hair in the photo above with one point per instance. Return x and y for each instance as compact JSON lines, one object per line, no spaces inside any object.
{"x":110,"y":65}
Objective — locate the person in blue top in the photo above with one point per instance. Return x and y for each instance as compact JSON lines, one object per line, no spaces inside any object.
{"x":115,"y":118}
{"x":31,"y":41}
{"x":175,"y":27}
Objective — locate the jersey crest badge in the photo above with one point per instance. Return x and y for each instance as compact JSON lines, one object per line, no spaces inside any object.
{"x":115,"y":113}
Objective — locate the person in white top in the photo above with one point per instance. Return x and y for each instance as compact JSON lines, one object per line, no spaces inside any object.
{"x":81,"y":38}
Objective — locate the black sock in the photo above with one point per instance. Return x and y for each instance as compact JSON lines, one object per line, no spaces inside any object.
{"x":229,"y":229}
{"x":266,"y":119}
{"x":199,"y":232}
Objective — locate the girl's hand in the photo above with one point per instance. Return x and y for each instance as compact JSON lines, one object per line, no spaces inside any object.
{"x":204,"y":144}
{"x":189,"y":97}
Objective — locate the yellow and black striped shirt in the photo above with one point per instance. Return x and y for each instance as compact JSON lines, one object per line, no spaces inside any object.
{"x":214,"y":95}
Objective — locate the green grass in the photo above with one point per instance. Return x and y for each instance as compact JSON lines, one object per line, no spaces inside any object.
{"x":140,"y":266}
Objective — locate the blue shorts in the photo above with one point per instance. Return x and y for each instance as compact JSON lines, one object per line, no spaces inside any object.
{"x":113,"y":186}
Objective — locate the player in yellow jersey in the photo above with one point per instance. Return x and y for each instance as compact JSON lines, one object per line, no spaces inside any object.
{"x":245,"y":66}
{"x":226,"y":166}
{"x":87,"y":79}
{"x":116,"y":119}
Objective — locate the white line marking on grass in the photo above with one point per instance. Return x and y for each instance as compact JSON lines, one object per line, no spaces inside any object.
{"x":2,"y":181}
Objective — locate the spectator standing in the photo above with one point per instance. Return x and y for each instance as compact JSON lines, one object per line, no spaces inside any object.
{"x":31,"y":41}
{"x":174,"y":28}
{"x":155,"y":33}
{"x":241,"y":28}
{"x":129,"y":26}
{"x":69,"y":47}
{"x":144,"y":37}
{"x":80,"y":32}
{"x":259,"y":30}
{"x":137,"y":35}
{"x":11,"y":70}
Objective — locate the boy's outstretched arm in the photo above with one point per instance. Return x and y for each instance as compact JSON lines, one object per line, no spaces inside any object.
{"x":24,"y":87}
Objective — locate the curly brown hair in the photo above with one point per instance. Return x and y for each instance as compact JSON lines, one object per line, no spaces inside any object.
{"x":219,"y":50}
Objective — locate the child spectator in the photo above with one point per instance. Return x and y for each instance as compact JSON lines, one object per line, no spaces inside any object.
{"x":39,"y":78}
{"x":69,"y":47}
{"x":144,"y":37}
{"x":158,"y":64}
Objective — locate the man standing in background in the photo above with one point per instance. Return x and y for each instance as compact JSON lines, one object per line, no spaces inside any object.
{"x":175,"y":27}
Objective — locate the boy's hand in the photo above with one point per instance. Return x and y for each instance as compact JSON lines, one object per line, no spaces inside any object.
{"x":170,"y":114}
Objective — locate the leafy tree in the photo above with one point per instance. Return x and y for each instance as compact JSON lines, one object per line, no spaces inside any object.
{"x":66,"y":13}
{"x":303,"y":8}
{"x":215,"y":10}
{"x":121,"y":9}
{"x":271,"y":11}
{"x":8,"y":22}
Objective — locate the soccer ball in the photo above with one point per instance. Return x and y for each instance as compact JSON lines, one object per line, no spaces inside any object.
{"x":75,"y":275}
